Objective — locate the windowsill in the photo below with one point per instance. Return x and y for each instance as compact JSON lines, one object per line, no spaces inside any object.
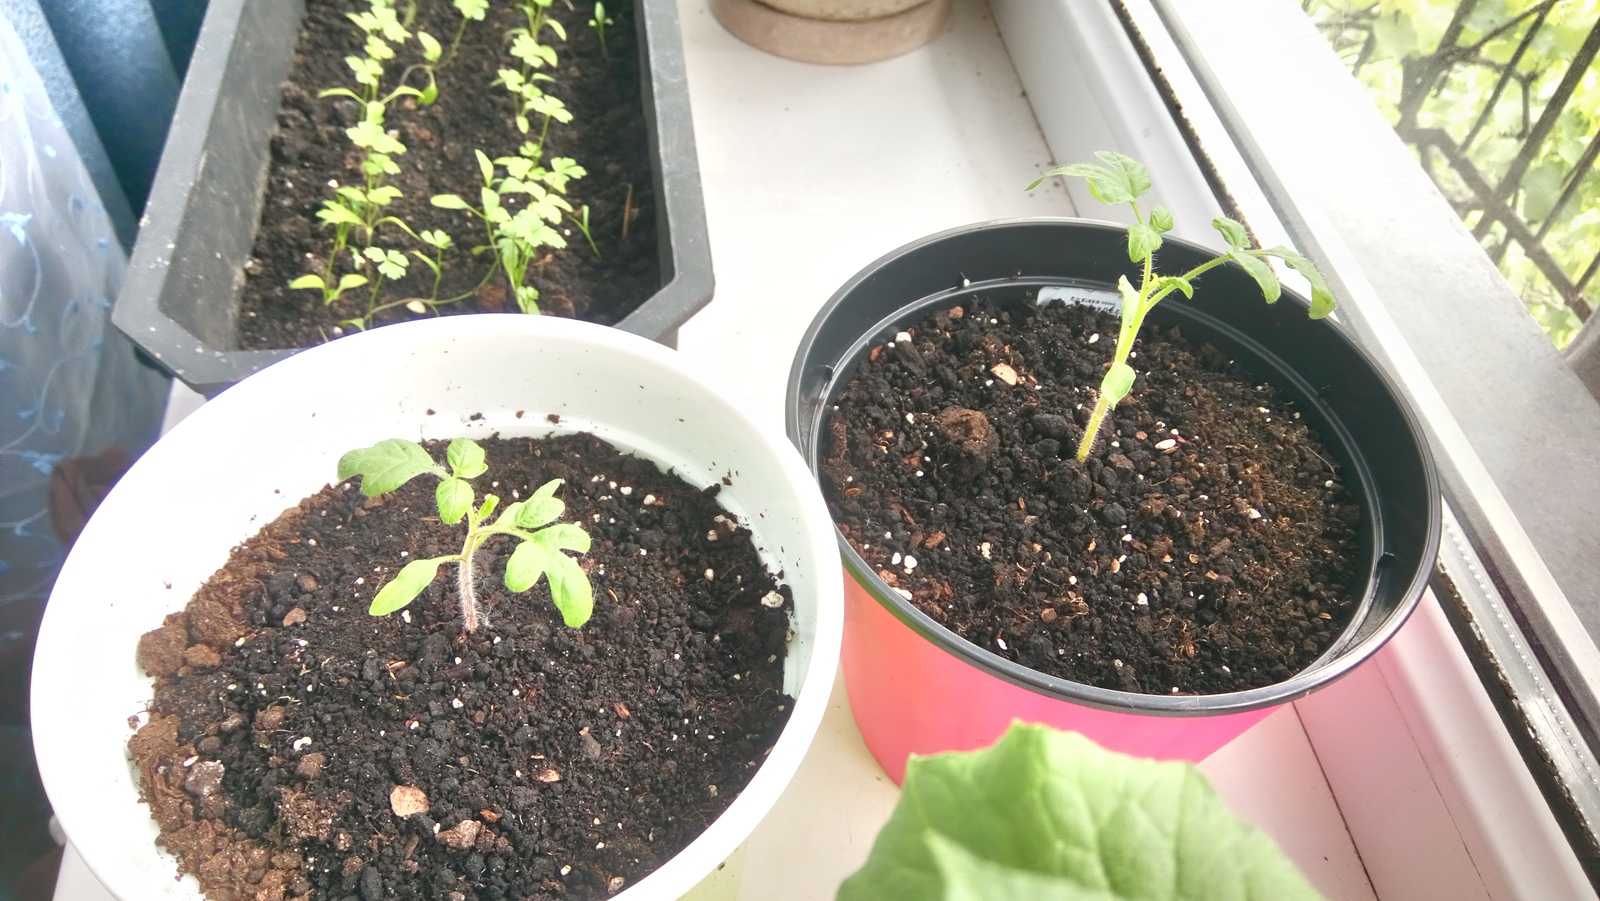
{"x":1398,"y":782}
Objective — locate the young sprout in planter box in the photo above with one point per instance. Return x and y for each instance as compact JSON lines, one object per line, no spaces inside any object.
{"x":1125,"y":180}
{"x":515,"y":238}
{"x":600,"y":22}
{"x":541,"y":541}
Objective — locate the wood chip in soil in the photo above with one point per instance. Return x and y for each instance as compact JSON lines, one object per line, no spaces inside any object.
{"x":1207,"y":545}
{"x":344,"y":755}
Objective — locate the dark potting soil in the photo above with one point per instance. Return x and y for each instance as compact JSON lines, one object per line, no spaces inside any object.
{"x":607,"y":136}
{"x":290,"y":729}
{"x":1207,"y":545}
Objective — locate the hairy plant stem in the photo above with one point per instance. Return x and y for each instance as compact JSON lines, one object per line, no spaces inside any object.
{"x":464,"y":583}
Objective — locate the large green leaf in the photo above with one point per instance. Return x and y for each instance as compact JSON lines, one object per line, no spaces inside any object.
{"x":1050,"y":815}
{"x":386,"y":465}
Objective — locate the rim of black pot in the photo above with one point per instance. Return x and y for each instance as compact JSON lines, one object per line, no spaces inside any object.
{"x":814,"y":381}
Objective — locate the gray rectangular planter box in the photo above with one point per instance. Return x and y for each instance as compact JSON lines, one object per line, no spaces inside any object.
{"x":180,"y":298}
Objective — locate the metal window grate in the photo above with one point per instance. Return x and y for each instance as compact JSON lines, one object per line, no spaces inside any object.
{"x":1500,"y":115}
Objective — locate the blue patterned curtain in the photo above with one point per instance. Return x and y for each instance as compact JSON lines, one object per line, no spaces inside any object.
{"x":70,"y":384}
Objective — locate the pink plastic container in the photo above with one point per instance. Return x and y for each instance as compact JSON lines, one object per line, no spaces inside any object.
{"x":910,"y":696}
{"x":915,"y":686}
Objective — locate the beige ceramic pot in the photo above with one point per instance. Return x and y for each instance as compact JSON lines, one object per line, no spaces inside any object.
{"x":834,"y":32}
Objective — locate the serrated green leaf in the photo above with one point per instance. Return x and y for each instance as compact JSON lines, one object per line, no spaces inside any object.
{"x":472,"y":9}
{"x":308,"y":281}
{"x":1131,"y":174}
{"x":448,"y":202}
{"x":1161,"y":219}
{"x":387,"y":465}
{"x":405,"y":586}
{"x":1050,"y":815}
{"x":1232,"y":232}
{"x":1117,"y":383}
{"x":1322,"y":302}
{"x":465,"y":458}
{"x":1261,"y":272}
{"x":1142,"y":241}
{"x":454,"y":497}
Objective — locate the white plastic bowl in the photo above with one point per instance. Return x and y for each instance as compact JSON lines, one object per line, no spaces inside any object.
{"x":261,"y":446}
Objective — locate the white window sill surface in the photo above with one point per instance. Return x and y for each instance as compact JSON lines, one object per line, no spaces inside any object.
{"x":810,"y":173}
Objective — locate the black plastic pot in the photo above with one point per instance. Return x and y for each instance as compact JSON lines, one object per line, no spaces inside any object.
{"x":179,"y":298}
{"x":1331,"y":381}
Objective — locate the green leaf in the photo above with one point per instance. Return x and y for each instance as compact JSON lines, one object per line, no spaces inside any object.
{"x":485,"y":167}
{"x":465,"y":458}
{"x":968,"y":877}
{"x":542,"y":507}
{"x":1051,"y":816}
{"x":386,"y":465}
{"x":338,"y":214}
{"x":341,"y":92}
{"x":472,"y":9}
{"x":430,"y":94}
{"x":1232,"y":232}
{"x":1130,"y":173}
{"x":1076,"y":170}
{"x":489,"y":503}
{"x":351,"y":280}
{"x":1131,"y":301}
{"x":1142,"y":241}
{"x":564,"y":536}
{"x":431,"y":51}
{"x":1117,"y":383}
{"x":405,"y":586}
{"x":308,"y":281}
{"x":1261,"y":272}
{"x":1175,"y":283}
{"x":570,"y":591}
{"x":449,"y":202}
{"x":1322,"y":302}
{"x":454,"y":497}
{"x":1161,"y":219}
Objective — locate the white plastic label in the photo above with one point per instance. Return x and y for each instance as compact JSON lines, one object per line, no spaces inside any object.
{"x":1105,"y":299}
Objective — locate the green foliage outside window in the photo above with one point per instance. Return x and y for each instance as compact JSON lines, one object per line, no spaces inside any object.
{"x":1397,"y":51}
